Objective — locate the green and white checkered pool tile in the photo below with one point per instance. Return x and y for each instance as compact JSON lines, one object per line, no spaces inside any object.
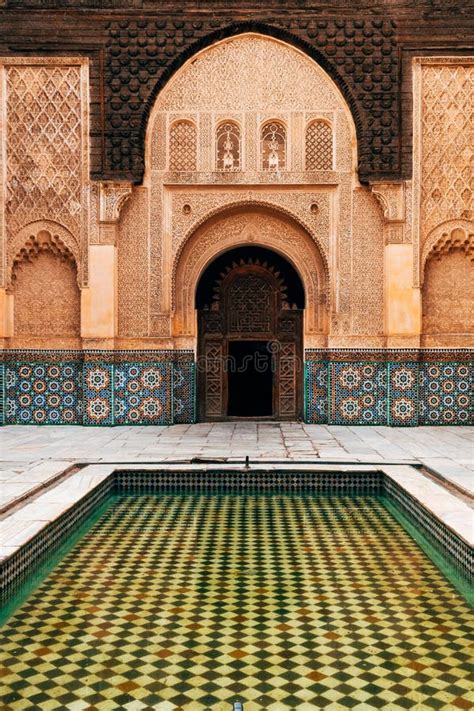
{"x":192,"y":601}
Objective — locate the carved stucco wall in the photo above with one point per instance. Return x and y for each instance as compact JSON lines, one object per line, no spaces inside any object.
{"x":443,"y":149}
{"x":133,"y":267}
{"x":254,"y":226}
{"x":47,"y":297}
{"x":45,"y":158}
{"x":368,"y":255}
{"x":250,"y":78}
{"x":448,"y":299}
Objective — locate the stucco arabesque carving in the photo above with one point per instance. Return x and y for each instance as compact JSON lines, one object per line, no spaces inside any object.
{"x":37,"y":236}
{"x":112,"y":198}
{"x":240,"y":229}
{"x":454,"y":234}
{"x":392,"y":199}
{"x":243,"y":205}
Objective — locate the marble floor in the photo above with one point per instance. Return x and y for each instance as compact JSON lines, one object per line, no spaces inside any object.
{"x":33,"y":456}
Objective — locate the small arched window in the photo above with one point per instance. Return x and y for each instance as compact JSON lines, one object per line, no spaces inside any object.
{"x":183,"y":146}
{"x":228,"y":146}
{"x":273,"y":146}
{"x":319,"y":146}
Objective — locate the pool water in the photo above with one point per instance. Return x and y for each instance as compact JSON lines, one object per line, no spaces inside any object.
{"x":193,"y":601}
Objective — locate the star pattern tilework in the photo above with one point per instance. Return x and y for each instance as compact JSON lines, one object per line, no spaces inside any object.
{"x":192,"y":601}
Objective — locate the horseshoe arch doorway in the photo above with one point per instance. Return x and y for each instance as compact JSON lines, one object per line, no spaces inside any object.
{"x":250,"y":303}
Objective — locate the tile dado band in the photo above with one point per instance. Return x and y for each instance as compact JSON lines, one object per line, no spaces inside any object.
{"x":57,"y":387}
{"x":405,"y":387}
{"x":342,"y":386}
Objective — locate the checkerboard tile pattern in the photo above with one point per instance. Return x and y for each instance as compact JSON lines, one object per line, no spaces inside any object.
{"x":191,"y":601}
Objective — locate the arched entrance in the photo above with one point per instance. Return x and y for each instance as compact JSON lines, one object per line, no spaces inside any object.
{"x":250,"y":304}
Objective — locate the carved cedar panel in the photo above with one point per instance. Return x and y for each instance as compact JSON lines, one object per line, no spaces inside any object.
{"x":250,"y":305}
{"x":287,"y":367}
{"x":214,"y":359}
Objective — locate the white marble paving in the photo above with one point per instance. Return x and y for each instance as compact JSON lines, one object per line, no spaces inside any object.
{"x":33,"y":456}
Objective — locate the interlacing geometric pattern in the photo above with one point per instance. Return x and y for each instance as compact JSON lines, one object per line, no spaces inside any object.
{"x":319,"y":146}
{"x":183,"y":146}
{"x":44,"y":145}
{"x":142,"y":394}
{"x":395,"y":394}
{"x":447,"y":144}
{"x":446,"y":393}
{"x":43,"y":393}
{"x":191,"y":601}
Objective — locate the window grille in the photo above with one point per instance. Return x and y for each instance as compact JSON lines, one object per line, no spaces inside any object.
{"x":228,"y":146}
{"x":273,"y":146}
{"x":182,"y":146}
{"x":319,"y":146}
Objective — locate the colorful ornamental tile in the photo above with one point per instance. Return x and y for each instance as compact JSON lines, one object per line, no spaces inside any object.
{"x":42,"y":393}
{"x":183,"y":393}
{"x":446,"y":393}
{"x":403,"y":394}
{"x":316,"y":392}
{"x":142,"y":393}
{"x":358,"y":393}
{"x":98,"y":396}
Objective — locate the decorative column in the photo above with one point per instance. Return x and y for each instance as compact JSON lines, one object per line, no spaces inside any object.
{"x":99,"y":299}
{"x":402,"y":301}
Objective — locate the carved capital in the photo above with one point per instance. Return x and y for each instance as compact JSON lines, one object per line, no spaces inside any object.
{"x":391,"y":197}
{"x":113,"y":197}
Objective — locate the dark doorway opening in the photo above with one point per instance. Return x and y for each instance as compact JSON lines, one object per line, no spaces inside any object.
{"x":250,"y":379}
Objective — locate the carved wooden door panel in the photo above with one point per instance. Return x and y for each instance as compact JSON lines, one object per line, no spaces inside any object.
{"x":290,"y":365}
{"x":250,"y":306}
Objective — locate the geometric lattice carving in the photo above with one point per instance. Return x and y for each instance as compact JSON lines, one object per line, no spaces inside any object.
{"x":250,"y":304}
{"x":182,"y":146}
{"x":44,"y":137}
{"x":319,"y":146}
{"x":273,"y":146}
{"x":447,"y":143}
{"x":47,"y":145}
{"x":228,"y":146}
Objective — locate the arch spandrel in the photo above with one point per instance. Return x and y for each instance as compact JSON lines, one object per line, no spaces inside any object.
{"x":259,"y":228}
